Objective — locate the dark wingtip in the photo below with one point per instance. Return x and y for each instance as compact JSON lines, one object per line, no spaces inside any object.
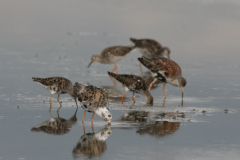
{"x":34,"y":78}
{"x":140,"y":59}
{"x":133,"y":40}
{"x":112,"y":74}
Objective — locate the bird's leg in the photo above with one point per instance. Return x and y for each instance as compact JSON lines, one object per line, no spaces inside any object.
{"x":126,"y":114}
{"x":115,"y":83}
{"x":140,"y":67}
{"x":92,"y":128}
{"x":133,"y":98}
{"x":150,"y":86}
{"x":83,"y":128}
{"x":123,"y":96}
{"x":115,"y":68}
{"x":58,"y":110}
{"x":84,"y":114}
{"x":163,"y":87}
{"x":59,"y":101}
{"x":50,"y":105}
{"x":92,"y":117}
{"x":164,"y":101}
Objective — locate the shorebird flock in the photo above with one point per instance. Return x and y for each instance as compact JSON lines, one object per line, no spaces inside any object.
{"x":94,"y":99}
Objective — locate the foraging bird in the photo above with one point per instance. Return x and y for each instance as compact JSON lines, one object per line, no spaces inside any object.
{"x":56,"y":85}
{"x":112,"y":55}
{"x":94,"y":100}
{"x":134,"y":83}
{"x":165,"y":70}
{"x":150,"y":48}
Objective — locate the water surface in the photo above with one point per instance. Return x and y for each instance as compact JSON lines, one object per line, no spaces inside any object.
{"x":57,"y":38}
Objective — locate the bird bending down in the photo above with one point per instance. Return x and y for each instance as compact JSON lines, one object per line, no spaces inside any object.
{"x":112,"y":55}
{"x":165,"y":70}
{"x":56,"y":85}
{"x":134,"y":83}
{"x":150,"y":48}
{"x":94,"y":100}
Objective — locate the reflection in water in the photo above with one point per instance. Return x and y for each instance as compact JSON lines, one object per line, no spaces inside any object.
{"x":153,"y":124}
{"x":161,"y":128}
{"x":92,"y":144}
{"x":56,"y":126}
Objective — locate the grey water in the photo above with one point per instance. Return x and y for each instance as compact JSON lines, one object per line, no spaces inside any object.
{"x":58,"y":38}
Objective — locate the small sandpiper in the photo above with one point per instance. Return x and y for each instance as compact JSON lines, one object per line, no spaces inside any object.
{"x":165,"y":70}
{"x":150,"y":48}
{"x":94,"y":100}
{"x":56,"y":85}
{"x":134,"y":83}
{"x":112,"y":55}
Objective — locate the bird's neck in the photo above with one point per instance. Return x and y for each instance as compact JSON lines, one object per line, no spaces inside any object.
{"x":148,"y":96}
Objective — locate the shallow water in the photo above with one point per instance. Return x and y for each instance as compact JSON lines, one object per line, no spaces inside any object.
{"x":58,"y":38}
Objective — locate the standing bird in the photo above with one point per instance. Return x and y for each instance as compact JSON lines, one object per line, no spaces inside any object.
{"x":56,"y":85}
{"x":150,"y":48}
{"x":94,"y":100}
{"x":111,"y":55}
{"x":134,"y":83}
{"x":165,"y":70}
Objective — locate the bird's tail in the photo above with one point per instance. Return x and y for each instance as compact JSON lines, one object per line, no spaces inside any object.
{"x":113,"y":75}
{"x":78,"y":88}
{"x":133,"y":40}
{"x":36,"y":79}
{"x":145,"y":61}
{"x":132,"y":47}
{"x":119,"y":77}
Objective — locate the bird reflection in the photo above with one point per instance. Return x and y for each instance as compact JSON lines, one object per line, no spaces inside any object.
{"x":92,"y":144}
{"x":159,"y":128}
{"x":56,"y":126}
{"x":157,"y":125}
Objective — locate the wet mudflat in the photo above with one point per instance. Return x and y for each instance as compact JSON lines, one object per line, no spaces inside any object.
{"x":203,"y":38}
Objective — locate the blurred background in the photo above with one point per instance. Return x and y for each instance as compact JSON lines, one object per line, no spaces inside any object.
{"x":57,"y":38}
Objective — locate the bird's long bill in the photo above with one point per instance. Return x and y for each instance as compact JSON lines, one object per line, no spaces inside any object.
{"x":89,"y":64}
{"x":182,"y":89}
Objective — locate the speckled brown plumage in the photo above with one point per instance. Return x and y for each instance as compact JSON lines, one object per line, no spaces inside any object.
{"x":170,"y":68}
{"x":150,"y":47}
{"x":56,"y":85}
{"x":165,"y":70}
{"x":116,"y":51}
{"x":134,"y":83}
{"x":91,"y":96}
{"x":111,"y":55}
{"x":94,"y":100}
